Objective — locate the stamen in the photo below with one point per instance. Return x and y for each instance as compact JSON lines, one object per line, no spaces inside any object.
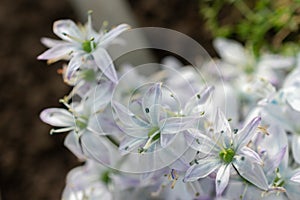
{"x":104,"y":27}
{"x":63,"y":101}
{"x":194,"y":186}
{"x":61,"y":130}
{"x":90,"y":19}
{"x":263,"y":129}
{"x":173,"y":176}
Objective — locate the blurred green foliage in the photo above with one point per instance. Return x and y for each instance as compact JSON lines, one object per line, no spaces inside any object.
{"x":260,"y":24}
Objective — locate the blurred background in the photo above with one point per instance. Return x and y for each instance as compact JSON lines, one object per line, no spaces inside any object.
{"x":33,"y":164}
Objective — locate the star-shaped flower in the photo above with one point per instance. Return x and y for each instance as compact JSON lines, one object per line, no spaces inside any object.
{"x":83,"y":119}
{"x":82,"y":45}
{"x":224,"y":150}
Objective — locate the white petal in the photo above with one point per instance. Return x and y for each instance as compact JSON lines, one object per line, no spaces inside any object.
{"x":100,"y":96}
{"x":49,"y":42}
{"x":293,"y":101}
{"x":251,"y":171}
{"x":222,"y":128}
{"x":292,"y":190}
{"x":151,"y":103}
{"x":230,"y":50}
{"x":113,"y":33}
{"x":166,"y":139}
{"x":67,"y":30}
{"x":72,"y":143}
{"x":222,"y":179}
{"x":245,"y":135}
{"x":198,"y":100}
{"x":127,"y":117}
{"x":175,"y":125}
{"x":94,"y":147}
{"x":273,"y":162}
{"x":296,"y":148}
{"x":130,"y":145}
{"x":275,"y":61}
{"x":105,"y":64}
{"x":57,"y":52}
{"x":252,"y":154}
{"x":296,"y":177}
{"x":57,"y":117}
{"x":94,"y":124}
{"x":74,"y":64}
{"x":202,"y":169}
{"x":202,"y":143}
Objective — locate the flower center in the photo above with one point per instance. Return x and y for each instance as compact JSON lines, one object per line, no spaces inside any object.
{"x":89,"y":75}
{"x":88,"y":46}
{"x":227,"y":155}
{"x":80,"y":124}
{"x":153,"y":136}
{"x":278,"y":180}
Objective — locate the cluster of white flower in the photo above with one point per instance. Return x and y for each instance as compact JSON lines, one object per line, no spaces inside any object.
{"x":170,"y":135}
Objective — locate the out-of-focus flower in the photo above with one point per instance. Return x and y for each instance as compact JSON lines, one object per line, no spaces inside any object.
{"x":87,"y":182}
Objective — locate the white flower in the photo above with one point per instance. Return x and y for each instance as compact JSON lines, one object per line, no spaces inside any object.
{"x":87,"y":182}
{"x":149,"y":123}
{"x":81,"y":45}
{"x":237,"y":62}
{"x":224,"y":150}
{"x":87,"y":137}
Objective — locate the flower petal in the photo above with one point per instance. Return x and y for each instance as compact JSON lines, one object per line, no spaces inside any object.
{"x":222,"y":128}
{"x":203,"y":168}
{"x":74,"y":64}
{"x":72,"y":143}
{"x":273,"y":162}
{"x":251,"y":154}
{"x":293,"y":101}
{"x":246,"y":134}
{"x":57,"y":52}
{"x":57,"y":117}
{"x":175,"y":125}
{"x":230,"y":51}
{"x":296,"y":148}
{"x":251,"y":171}
{"x":130,"y":144}
{"x":222,"y":179}
{"x":192,"y":106}
{"x":151,"y":100}
{"x":113,"y":33}
{"x":296,"y":177}
{"x":276,"y":61}
{"x":127,"y":117}
{"x":67,"y":30}
{"x":166,"y":139}
{"x":94,"y":147}
{"x":105,"y":64}
{"x":49,"y":42}
{"x":202,"y":143}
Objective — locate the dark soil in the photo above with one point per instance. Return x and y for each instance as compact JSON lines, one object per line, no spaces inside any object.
{"x":33,"y":164}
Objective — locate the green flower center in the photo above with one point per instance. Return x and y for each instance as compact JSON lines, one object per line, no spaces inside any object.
{"x":80,"y":124}
{"x":278,"y":180}
{"x":105,"y":177}
{"x":227,"y":155}
{"x":89,"y":75}
{"x":153,"y":136}
{"x":88,"y":46}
